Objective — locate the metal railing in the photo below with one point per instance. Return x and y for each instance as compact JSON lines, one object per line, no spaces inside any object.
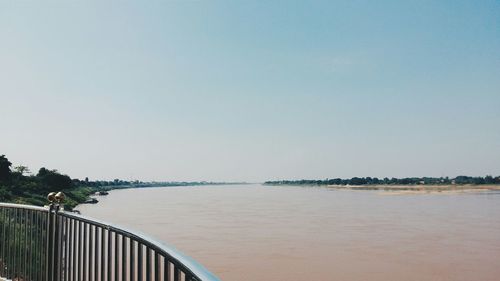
{"x":48,"y":244}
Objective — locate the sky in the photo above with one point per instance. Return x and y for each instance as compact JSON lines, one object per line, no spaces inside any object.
{"x":251,"y":90}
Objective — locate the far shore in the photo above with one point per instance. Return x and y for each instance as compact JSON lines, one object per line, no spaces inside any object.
{"x":421,"y":189}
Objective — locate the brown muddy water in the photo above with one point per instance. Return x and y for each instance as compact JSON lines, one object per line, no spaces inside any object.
{"x":260,"y":233}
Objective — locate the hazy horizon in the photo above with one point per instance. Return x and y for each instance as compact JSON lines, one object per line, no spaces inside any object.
{"x":251,"y":91}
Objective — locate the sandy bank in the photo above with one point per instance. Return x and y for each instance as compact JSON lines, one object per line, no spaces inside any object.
{"x":420,"y":189}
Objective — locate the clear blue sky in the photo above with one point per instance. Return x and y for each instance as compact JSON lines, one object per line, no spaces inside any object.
{"x":251,"y":90}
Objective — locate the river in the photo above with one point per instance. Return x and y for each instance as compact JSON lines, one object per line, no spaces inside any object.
{"x":286,"y":233}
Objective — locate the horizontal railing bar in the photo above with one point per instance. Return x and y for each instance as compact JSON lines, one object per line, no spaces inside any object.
{"x":27,"y":207}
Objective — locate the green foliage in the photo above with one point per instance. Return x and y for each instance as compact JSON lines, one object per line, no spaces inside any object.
{"x":53,"y":180}
{"x":19,"y":188}
{"x":22,"y":170}
{"x":5,"y":195}
{"x":393,"y":181}
{"x":22,"y":189}
{"x":5,"y":172}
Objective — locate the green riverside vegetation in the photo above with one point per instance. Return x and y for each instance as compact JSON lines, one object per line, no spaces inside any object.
{"x":18,"y":185}
{"x":460,"y":180}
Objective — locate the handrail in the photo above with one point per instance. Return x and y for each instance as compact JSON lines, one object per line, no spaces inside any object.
{"x":71,"y":247}
{"x":23,"y":206}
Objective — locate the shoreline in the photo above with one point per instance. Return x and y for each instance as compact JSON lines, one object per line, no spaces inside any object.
{"x":420,"y":189}
{"x":92,"y":196}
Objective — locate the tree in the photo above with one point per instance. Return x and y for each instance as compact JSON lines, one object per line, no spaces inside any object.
{"x":53,"y":179}
{"x":357,"y":181}
{"x":44,"y":171}
{"x":489,"y":180}
{"x":5,"y":172}
{"x":22,"y":169}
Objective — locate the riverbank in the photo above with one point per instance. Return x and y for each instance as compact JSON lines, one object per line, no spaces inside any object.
{"x":420,"y":189}
{"x":74,"y":196}
{"x":89,"y":194}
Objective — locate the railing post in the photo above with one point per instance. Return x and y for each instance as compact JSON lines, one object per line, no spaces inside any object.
{"x":53,"y":254}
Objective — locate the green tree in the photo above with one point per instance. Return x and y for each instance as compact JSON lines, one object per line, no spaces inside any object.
{"x":53,"y":180}
{"x":5,"y":172}
{"x":489,"y":180}
{"x":22,"y":169}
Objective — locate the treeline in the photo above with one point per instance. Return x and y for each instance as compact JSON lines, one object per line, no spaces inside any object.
{"x":19,"y":185}
{"x":393,"y":181}
{"x":137,"y":184}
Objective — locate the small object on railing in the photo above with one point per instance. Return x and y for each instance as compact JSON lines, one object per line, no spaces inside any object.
{"x":60,"y":197}
{"x":56,"y":201}
{"x":51,"y":197}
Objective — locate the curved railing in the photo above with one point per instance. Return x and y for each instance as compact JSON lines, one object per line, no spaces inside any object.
{"x":47,"y":244}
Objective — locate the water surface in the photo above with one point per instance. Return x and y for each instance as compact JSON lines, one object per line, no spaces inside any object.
{"x":258,"y":233}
